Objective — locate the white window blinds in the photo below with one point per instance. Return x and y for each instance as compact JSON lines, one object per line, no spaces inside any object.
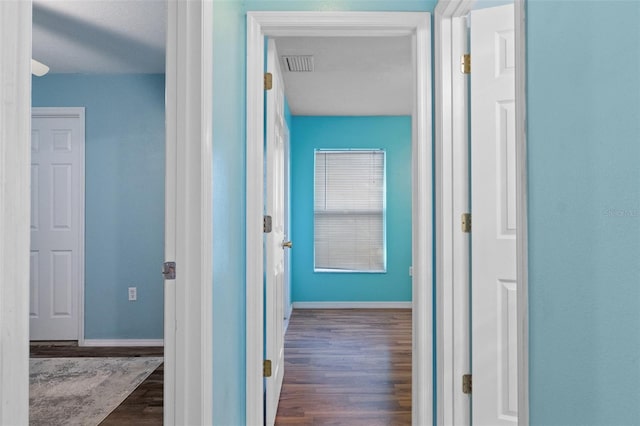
{"x":349,"y":211}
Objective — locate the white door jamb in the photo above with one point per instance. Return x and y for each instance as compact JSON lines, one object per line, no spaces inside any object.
{"x":452,"y":200}
{"x":15,"y":196}
{"x":451,"y":194}
{"x":522,"y":231}
{"x":417,"y":25}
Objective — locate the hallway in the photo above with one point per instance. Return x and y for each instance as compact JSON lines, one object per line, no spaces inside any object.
{"x":347,"y":367}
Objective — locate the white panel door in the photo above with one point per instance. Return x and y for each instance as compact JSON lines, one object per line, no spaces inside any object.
{"x":57,"y":222}
{"x":493,"y":164}
{"x":274,"y":240}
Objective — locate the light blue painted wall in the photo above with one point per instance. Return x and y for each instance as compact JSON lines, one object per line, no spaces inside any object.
{"x":287,"y":115}
{"x":393,"y":135}
{"x":583,"y":125}
{"x":124,"y":225}
{"x":584,"y":212}
{"x":583,"y":155}
{"x":229,"y":156}
{"x":229,"y":259}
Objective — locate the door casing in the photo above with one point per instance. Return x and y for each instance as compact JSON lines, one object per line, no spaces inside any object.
{"x":188,"y":353}
{"x":452,"y":194}
{"x":323,"y":24}
{"x":188,"y":312}
{"x":15,"y":194}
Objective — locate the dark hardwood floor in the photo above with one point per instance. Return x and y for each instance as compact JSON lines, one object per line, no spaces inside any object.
{"x":144,"y":406}
{"x":342,"y":367}
{"x":68,"y":350}
{"x":347,"y":367}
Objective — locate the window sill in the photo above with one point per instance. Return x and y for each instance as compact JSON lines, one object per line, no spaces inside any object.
{"x":348,"y":271}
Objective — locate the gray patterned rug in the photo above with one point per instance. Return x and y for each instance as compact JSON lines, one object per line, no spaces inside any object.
{"x":82,"y":391}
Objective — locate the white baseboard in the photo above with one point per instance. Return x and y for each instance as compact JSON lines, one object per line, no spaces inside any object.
{"x":352,"y":305}
{"x":123,"y":342}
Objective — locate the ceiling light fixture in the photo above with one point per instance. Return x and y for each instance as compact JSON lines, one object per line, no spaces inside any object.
{"x":38,"y":68}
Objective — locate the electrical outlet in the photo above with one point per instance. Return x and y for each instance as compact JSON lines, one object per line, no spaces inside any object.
{"x":410,"y":271}
{"x":133,"y":294}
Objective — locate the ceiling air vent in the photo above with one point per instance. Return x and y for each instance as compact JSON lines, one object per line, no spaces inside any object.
{"x":298,"y":63}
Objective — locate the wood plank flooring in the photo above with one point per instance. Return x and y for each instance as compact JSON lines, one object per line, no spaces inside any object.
{"x":144,"y":406}
{"x":347,"y":367}
{"x":342,"y":367}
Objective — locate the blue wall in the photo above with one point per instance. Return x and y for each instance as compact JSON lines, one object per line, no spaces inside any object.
{"x":229,"y":212}
{"x":393,"y":134}
{"x":584,"y":212}
{"x":124,"y":169}
{"x":583,"y":124}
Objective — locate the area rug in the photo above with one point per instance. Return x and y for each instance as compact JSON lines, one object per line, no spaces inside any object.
{"x":82,"y":391}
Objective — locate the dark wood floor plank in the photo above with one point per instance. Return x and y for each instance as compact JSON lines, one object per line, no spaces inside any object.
{"x":347,"y":367}
{"x":69,"y":350}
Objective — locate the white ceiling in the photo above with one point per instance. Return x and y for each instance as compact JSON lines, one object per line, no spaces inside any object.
{"x":100,"y":36}
{"x":352,"y":75}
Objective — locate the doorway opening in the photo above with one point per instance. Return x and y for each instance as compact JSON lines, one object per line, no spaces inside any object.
{"x":97,"y":207}
{"x":414,"y":26}
{"x":348,"y":102}
{"x":187,"y":327}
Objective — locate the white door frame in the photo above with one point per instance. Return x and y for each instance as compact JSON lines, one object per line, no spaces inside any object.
{"x":273,"y":24}
{"x":452,"y":192}
{"x":188,"y":339}
{"x":78,"y":113}
{"x":15,"y":195}
{"x":188,"y":319}
{"x":452,"y":199}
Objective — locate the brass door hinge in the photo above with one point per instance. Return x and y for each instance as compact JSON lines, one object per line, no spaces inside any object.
{"x":266,"y":368}
{"x":268,"y":81}
{"x":465,"y":63}
{"x":466,"y":222}
{"x":466,"y":383}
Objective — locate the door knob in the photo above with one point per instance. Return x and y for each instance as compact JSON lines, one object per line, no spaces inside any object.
{"x":287,"y":244}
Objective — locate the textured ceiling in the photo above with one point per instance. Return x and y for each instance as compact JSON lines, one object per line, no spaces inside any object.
{"x":100,"y":36}
{"x":352,"y":75}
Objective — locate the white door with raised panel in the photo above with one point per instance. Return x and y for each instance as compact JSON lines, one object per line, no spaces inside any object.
{"x":493,"y":171}
{"x":274,"y":240}
{"x":57,"y":223}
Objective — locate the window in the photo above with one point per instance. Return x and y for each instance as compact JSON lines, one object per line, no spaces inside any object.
{"x":349,"y":211}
